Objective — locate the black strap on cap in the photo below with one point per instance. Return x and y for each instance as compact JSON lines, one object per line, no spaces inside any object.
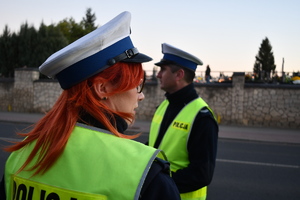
{"x":127,"y":54}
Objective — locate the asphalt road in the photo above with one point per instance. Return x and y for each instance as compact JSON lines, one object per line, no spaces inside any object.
{"x":256,"y":170}
{"x":245,"y":169}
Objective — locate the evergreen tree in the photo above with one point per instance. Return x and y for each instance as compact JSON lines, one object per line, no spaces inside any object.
{"x":27,"y":43}
{"x":73,"y":31}
{"x":257,"y":70}
{"x":8,"y":53}
{"x":50,"y":39}
{"x":89,"y":21}
{"x":265,"y":59}
{"x":31,"y":47}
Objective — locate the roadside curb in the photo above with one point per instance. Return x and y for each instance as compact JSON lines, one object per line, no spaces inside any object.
{"x":264,"y":134}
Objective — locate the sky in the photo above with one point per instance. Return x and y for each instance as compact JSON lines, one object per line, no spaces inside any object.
{"x":224,"y":34}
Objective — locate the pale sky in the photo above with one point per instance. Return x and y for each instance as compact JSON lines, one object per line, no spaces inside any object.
{"x":225,"y":34}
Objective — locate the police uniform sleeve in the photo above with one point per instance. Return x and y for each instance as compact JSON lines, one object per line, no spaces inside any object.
{"x":158,"y":183}
{"x":202,"y":150}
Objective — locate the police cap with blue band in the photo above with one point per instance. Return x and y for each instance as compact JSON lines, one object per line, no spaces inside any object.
{"x":94,"y":53}
{"x":173,"y":55}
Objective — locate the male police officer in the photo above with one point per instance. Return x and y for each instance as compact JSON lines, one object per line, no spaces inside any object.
{"x":184,"y":126}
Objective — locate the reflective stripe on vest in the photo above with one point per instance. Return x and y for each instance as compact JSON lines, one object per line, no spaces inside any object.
{"x":174,"y":142}
{"x":94,"y":165}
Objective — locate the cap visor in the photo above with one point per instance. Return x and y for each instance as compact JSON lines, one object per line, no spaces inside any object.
{"x":164,"y":62}
{"x":138,"y":58}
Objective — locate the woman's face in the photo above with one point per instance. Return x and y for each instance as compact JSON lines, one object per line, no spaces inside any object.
{"x":126,"y":101}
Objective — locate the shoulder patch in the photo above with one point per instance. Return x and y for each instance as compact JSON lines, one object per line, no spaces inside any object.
{"x":204,"y":110}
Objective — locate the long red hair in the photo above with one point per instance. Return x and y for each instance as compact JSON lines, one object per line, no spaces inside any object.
{"x":52,"y":132}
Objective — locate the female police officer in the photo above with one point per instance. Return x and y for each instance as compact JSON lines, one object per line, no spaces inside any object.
{"x":78,"y":149}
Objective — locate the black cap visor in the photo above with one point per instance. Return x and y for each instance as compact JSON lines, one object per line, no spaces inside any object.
{"x":138,"y":58}
{"x":130,"y":55}
{"x":165,"y":62}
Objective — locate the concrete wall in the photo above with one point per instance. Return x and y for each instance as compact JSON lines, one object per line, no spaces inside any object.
{"x":23,"y":92}
{"x":6,"y":93}
{"x":45,"y":95}
{"x":236,"y":103}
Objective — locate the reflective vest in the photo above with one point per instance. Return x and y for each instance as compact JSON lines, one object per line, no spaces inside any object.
{"x":174,"y":142}
{"x":94,"y":165}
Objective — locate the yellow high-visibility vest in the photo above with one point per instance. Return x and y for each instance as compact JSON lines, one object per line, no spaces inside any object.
{"x":174,"y":142}
{"x":95,"y":165}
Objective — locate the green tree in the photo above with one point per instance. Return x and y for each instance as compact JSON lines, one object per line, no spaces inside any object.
{"x":265,"y":59}
{"x":70,"y":29}
{"x":27,"y":43}
{"x":257,"y":70}
{"x":89,"y":21}
{"x":73,"y":31}
{"x":50,"y":40}
{"x":31,"y":47}
{"x":8,"y":53}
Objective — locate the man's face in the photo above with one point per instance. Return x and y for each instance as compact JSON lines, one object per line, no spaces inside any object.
{"x":167,"y":79}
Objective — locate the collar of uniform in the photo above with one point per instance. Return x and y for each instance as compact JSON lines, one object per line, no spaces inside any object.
{"x":88,"y":119}
{"x":184,"y":95}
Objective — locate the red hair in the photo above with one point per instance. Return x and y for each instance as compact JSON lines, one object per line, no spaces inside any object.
{"x":52,"y":132}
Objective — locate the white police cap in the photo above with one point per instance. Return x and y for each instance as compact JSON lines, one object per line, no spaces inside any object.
{"x":173,"y":55}
{"x":93,"y":53}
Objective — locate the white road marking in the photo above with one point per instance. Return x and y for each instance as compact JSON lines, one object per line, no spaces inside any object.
{"x":258,"y":163}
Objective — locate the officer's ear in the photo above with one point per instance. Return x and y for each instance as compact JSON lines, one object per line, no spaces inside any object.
{"x":100,"y":90}
{"x":180,"y":74}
